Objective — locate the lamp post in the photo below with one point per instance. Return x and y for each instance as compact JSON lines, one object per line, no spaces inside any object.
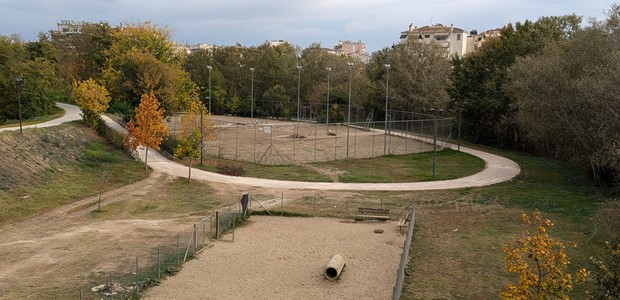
{"x":329,"y":71}
{"x":298,"y":96}
{"x":210,"y":68}
{"x":252,"y":96}
{"x":18,"y":83}
{"x":387,"y":92}
{"x":201,"y":133}
{"x":350,"y":64}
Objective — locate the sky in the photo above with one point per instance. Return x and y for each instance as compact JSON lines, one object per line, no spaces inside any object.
{"x":377,"y":23}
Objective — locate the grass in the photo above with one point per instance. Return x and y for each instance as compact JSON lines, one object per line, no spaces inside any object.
{"x":173,"y":198}
{"x":57,"y":113}
{"x":449,"y":164}
{"x":78,"y":179}
{"x":392,"y":168}
{"x":291,"y":172}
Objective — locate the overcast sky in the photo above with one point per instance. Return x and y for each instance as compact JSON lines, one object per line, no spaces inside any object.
{"x":377,"y":23}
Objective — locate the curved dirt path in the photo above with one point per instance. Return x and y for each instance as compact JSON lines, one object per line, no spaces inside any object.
{"x":498,"y":169}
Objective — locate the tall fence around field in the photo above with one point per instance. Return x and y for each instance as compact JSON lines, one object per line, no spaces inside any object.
{"x":274,"y":142}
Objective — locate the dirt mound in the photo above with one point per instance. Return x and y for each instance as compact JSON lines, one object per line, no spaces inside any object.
{"x":29,"y":157}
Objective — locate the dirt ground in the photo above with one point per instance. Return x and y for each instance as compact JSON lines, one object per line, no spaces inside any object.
{"x":271,"y":142}
{"x":285,"y":258}
{"x":52,"y":255}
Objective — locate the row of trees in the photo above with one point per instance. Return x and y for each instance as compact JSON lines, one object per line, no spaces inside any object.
{"x":546,"y":86}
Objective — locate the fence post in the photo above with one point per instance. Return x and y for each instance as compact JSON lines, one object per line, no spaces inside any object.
{"x":233,"y":226}
{"x":158,"y":262}
{"x":237,"y":142}
{"x":210,"y":229}
{"x":314,"y":204}
{"x":346,"y":208}
{"x":203,"y":233}
{"x":282,"y":205}
{"x":137,"y":275}
{"x":81,"y":294}
{"x":217,"y":225}
{"x":315,"y":134}
{"x":195,"y":239}
{"x":178,"y":261}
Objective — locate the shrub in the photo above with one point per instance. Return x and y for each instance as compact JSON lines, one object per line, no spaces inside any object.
{"x":230,"y":169}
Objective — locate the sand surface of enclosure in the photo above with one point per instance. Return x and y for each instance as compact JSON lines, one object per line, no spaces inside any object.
{"x":285,"y":258}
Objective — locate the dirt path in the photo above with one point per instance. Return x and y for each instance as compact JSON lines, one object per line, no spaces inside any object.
{"x":67,"y":245}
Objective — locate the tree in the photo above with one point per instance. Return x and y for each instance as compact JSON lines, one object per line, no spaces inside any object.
{"x":540,"y":262}
{"x":606,"y":274}
{"x":92,"y":98}
{"x":148,"y":128}
{"x":193,"y":134}
{"x":141,"y":60}
{"x":478,"y":79}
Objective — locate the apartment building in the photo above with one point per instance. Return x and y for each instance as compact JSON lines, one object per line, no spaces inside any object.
{"x":453,"y":39}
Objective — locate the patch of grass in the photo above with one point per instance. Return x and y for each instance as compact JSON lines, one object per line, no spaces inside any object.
{"x":415,"y":167}
{"x":291,"y":172}
{"x":173,"y":198}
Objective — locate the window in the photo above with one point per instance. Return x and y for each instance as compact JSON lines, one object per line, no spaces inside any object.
{"x":427,"y":36}
{"x":458,"y":37}
{"x":441,"y":37}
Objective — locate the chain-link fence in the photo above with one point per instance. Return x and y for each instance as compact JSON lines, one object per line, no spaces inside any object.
{"x":274,"y":142}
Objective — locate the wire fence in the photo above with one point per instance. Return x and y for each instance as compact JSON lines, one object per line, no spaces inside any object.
{"x":271,"y":142}
{"x":165,"y":259}
{"x":168,"y":256}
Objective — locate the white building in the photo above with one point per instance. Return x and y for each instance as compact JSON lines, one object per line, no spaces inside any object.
{"x":453,"y":39}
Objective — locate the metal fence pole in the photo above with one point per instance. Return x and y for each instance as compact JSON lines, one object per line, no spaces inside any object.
{"x":210,"y":229}
{"x":346,"y":208}
{"x":315,"y":134}
{"x":81,"y":294}
{"x":237,"y":141}
{"x":137,"y":275}
{"x":336,"y":143}
{"x":158,"y":263}
{"x":203,"y":233}
{"x":314,"y":204}
{"x":282,"y":206}
{"x":254,"y":151}
{"x":178,"y":259}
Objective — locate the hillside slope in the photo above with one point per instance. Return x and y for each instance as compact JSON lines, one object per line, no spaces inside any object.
{"x":45,"y":168}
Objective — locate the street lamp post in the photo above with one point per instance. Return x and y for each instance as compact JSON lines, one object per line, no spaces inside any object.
{"x":202,"y":137}
{"x":387,"y":90}
{"x":210,"y":68}
{"x":252,"y":96}
{"x":329,"y":71}
{"x":18,"y":83}
{"x":298,"y":96}
{"x":349,"y":110}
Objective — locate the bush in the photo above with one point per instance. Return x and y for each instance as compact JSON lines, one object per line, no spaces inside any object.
{"x":230,"y":169}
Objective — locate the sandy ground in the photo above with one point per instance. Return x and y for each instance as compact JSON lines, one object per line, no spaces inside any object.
{"x":285,"y":258}
{"x":65,"y":246}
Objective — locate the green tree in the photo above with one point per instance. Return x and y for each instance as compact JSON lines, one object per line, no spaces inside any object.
{"x":92,"y":98}
{"x":147,"y":129}
{"x":478,"y":79}
{"x":140,"y":61}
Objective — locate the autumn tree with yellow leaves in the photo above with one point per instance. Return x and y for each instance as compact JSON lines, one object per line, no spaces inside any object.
{"x":196,"y":128}
{"x":147,"y":129}
{"x":540,"y":262}
{"x":92,"y":98}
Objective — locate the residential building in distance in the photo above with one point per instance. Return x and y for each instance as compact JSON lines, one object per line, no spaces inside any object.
{"x":352,"y":49}
{"x":453,"y":39}
{"x":65,"y":27}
